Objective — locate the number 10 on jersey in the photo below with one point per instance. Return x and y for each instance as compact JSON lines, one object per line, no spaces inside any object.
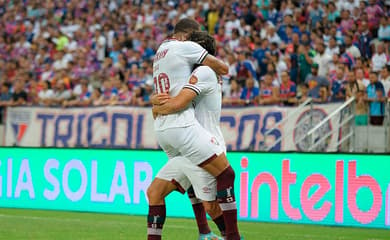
{"x":161,"y":83}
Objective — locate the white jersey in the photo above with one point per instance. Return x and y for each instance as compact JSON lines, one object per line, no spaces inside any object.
{"x":205,"y":83}
{"x":172,"y":65}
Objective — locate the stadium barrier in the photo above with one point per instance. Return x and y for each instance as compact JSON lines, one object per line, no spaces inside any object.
{"x":131,"y":127}
{"x":329,"y":189}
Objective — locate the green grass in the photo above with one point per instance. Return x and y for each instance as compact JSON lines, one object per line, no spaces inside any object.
{"x":34,"y":224}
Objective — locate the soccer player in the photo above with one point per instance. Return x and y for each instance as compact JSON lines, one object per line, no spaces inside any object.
{"x":179,"y":172}
{"x":180,"y":134}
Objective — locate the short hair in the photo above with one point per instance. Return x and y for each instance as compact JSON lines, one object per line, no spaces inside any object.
{"x":7,"y":85}
{"x":204,"y":40}
{"x":186,"y":25}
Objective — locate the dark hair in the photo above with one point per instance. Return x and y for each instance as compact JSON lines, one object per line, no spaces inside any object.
{"x":7,"y":85}
{"x":186,"y":25}
{"x":204,"y":40}
{"x":48,"y":84}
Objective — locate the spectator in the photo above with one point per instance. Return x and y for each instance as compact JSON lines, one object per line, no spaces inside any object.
{"x":250,"y":93}
{"x":350,"y":48}
{"x":148,"y":90}
{"x":384,"y":78}
{"x":245,"y":68}
{"x":269,"y":94}
{"x":233,"y":95}
{"x":109,"y":93}
{"x":271,"y":70}
{"x":272,"y":35}
{"x":60,"y":95}
{"x":333,"y":13}
{"x":81,"y":100}
{"x":376,"y":98}
{"x":322,"y":59}
{"x":260,"y":55}
{"x":96,"y":96}
{"x":374,"y":13}
{"x":384,"y":29}
{"x":379,"y":59}
{"x":332,"y":48}
{"x":288,"y":90}
{"x":364,"y":40}
{"x":19,"y":96}
{"x":292,"y":52}
{"x":303,"y":93}
{"x":280,"y":64}
{"x":234,"y":42}
{"x":356,"y":88}
{"x":305,"y":61}
{"x":5,"y":98}
{"x":5,"y":95}
{"x":338,"y":86}
{"x":125,"y":97}
{"x":315,"y":82}
{"x":361,"y":78}
{"x":323,"y":96}
{"x":46,"y":93}
{"x":316,"y":14}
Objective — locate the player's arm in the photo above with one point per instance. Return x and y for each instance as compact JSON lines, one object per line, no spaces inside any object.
{"x":195,"y":54}
{"x":159,"y":99}
{"x":176,"y":104}
{"x":217,"y":65}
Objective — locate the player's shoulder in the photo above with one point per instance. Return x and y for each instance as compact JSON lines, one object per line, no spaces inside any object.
{"x":204,"y":70}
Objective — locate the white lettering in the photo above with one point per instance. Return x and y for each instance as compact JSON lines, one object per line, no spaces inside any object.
{"x":79,"y":193}
{"x":122,"y":189}
{"x":51,"y":194}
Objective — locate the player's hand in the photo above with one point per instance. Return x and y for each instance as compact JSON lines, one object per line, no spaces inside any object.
{"x":159,"y":99}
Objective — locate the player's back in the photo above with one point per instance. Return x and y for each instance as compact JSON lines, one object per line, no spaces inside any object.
{"x":172,"y":66}
{"x":208,"y":103}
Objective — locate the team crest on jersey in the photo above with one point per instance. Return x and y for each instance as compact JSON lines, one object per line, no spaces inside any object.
{"x":193,"y":80}
{"x":214,"y":141}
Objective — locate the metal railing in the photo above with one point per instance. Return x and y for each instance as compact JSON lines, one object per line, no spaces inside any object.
{"x":297,"y":110}
{"x":347,"y":113}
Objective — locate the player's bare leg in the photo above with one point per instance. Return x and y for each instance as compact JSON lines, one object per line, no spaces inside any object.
{"x":215,"y":212}
{"x":157,"y":192}
{"x":200,"y":209}
{"x":219,"y":167}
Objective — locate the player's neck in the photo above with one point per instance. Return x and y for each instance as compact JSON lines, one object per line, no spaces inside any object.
{"x":179,"y":36}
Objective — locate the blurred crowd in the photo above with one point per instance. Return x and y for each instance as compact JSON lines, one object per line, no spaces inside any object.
{"x":93,"y":53}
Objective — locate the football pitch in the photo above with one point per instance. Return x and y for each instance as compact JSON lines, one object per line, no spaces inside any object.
{"x":35,"y":224}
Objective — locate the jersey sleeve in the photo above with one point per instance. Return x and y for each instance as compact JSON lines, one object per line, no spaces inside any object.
{"x":193,"y":52}
{"x":202,"y":80}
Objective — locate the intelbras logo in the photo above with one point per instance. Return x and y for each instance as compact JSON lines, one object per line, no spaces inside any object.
{"x":19,"y":120}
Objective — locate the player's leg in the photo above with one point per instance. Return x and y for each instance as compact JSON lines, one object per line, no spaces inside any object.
{"x":224,"y":174}
{"x":156,"y":193}
{"x":202,"y":149}
{"x":204,"y":189}
{"x":214,"y":211}
{"x":183,"y":183}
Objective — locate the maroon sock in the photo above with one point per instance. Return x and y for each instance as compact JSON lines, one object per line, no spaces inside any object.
{"x":156,"y":219}
{"x":199,"y":211}
{"x":227,"y":202}
{"x":220,"y":222}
